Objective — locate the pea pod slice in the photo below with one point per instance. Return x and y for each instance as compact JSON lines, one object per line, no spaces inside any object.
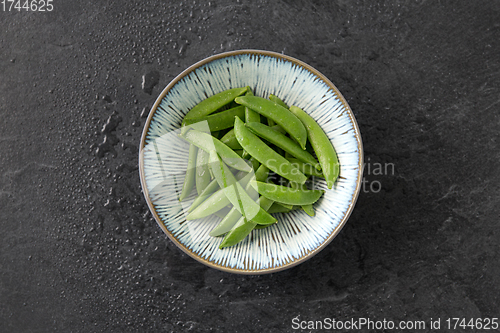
{"x":283,"y":142}
{"x":234,"y":191}
{"x":265,"y":154}
{"x":219,"y":121}
{"x":243,"y":227}
{"x":287,"y":195}
{"x":202,"y":171}
{"x":322,"y":146}
{"x":234,"y":215}
{"x":207,"y":143}
{"x":212,"y":103}
{"x":189,"y":180}
{"x":282,"y":116}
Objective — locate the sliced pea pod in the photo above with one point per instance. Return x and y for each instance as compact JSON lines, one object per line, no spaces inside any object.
{"x":282,"y":116}
{"x":265,"y":154}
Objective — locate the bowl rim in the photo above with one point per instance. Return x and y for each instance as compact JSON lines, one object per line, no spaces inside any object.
{"x":255,"y":52}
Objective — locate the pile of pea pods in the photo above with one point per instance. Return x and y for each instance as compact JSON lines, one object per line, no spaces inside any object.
{"x":233,"y":165}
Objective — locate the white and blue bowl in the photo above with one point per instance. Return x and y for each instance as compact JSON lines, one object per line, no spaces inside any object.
{"x":163,"y":161}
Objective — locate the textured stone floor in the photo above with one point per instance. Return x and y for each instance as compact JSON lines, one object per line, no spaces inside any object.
{"x":79,"y":251}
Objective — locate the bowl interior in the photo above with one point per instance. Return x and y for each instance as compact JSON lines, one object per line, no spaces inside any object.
{"x":163,"y":161}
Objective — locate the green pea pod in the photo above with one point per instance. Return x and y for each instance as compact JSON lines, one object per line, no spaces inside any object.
{"x":202,"y":171}
{"x":305,"y":168}
{"x":250,"y":115}
{"x":277,"y":208}
{"x":189,"y":181}
{"x":322,"y":146}
{"x":219,"y":121}
{"x":236,"y":194}
{"x":283,"y":142}
{"x":229,"y":139}
{"x":289,"y":207}
{"x":282,"y":116}
{"x":287,"y":195}
{"x":243,"y":227}
{"x":265,"y":154}
{"x":278,"y":101}
{"x":213,"y":103}
{"x":234,"y":215}
{"x":207,"y":143}
{"x":307,"y":208}
{"x":215,"y":202}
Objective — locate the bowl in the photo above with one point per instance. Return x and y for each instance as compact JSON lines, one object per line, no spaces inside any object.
{"x":163,"y":161}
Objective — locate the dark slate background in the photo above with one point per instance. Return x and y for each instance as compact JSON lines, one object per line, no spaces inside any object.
{"x":79,"y":251}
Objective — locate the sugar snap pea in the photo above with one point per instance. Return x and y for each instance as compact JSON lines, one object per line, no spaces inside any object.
{"x":236,"y":194}
{"x":322,"y":146}
{"x":283,"y":142}
{"x":229,"y":139}
{"x":287,"y":195}
{"x":202,"y":171}
{"x":305,"y":168}
{"x":266,"y":155}
{"x":282,"y":116}
{"x":278,"y":101}
{"x":213,"y":103}
{"x":250,"y":115}
{"x":219,"y":121}
{"x":207,"y":143}
{"x":189,"y":180}
{"x":307,"y":208}
{"x":277,"y":208}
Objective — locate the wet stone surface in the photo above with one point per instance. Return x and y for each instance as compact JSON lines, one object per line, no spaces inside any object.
{"x":79,"y":250}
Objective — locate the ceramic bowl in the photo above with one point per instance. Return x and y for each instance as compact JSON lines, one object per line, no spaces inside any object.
{"x":163,"y":161}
